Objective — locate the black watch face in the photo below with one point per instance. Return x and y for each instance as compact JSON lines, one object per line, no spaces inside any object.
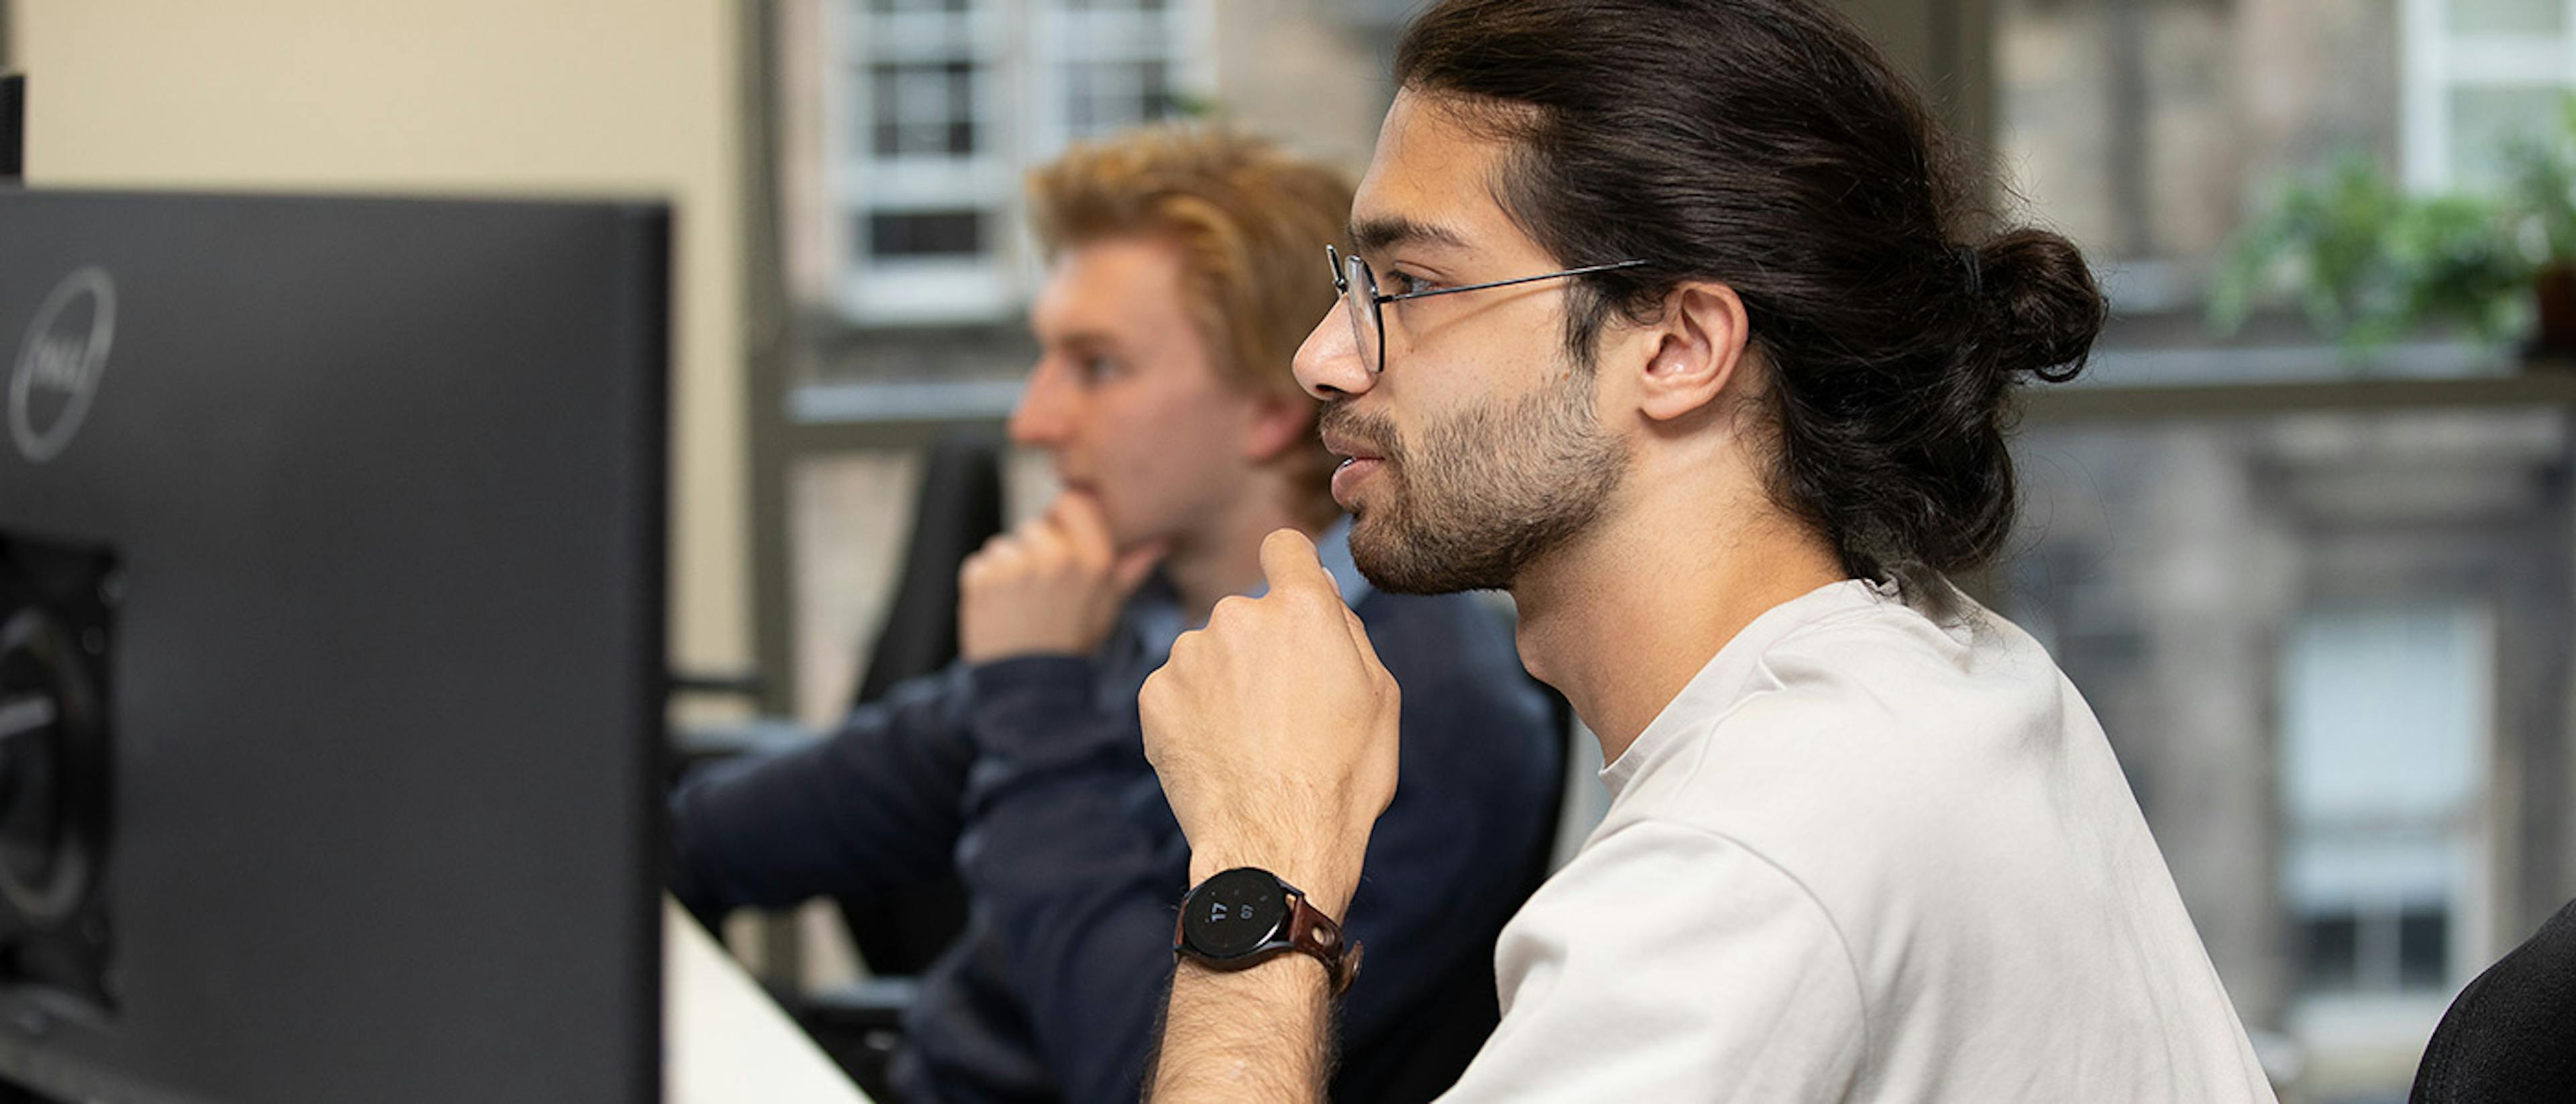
{"x":1234,"y":913}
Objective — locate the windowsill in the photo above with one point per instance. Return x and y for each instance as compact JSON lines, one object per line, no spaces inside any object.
{"x":2167,"y":363}
{"x":2175,"y":347}
{"x":2365,"y":1021}
{"x":902,"y":401}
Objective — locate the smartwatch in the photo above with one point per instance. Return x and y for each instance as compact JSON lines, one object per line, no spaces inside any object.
{"x":1245,"y":916}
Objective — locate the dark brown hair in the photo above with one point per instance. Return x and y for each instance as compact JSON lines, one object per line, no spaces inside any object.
{"x":1766,"y":145}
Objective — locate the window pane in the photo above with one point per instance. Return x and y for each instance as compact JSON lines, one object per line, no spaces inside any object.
{"x":2384,"y":714}
{"x":1101,"y":97}
{"x":2329,"y":950}
{"x":923,"y":110}
{"x":918,"y":234}
{"x":2508,"y":17}
{"x":2486,"y":122}
{"x":2423,"y":947}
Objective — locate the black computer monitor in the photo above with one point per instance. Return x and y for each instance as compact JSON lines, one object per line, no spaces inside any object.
{"x":331,"y":648}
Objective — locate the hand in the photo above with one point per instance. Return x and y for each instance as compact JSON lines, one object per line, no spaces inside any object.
{"x":1053,"y":586}
{"x":1274,"y":731}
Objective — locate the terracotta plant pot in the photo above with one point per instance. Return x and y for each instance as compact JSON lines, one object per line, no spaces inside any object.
{"x":2555,"y":288}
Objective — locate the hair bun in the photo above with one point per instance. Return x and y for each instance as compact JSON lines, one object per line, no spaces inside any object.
{"x":2038,"y":309}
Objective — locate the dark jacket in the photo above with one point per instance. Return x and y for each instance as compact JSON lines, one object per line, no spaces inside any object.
{"x":1027,"y":776}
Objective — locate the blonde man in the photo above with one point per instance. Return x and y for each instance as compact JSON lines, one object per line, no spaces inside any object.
{"x":1181,"y":281}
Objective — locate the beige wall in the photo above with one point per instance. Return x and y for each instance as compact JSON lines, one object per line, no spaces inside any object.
{"x":630,"y":98}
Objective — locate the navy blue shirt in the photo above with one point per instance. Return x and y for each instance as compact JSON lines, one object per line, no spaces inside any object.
{"x":1027,"y":777}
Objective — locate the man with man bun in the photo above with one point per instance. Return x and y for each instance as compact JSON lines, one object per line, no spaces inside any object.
{"x":1668,"y":317}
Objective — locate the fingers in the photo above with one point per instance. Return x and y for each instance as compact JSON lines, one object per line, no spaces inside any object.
{"x":1045,"y":542}
{"x":1288,"y":560}
{"x":1078,"y":518}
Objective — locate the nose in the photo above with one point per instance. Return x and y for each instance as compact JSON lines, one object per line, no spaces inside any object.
{"x":1045,"y":410}
{"x":1328,"y":364}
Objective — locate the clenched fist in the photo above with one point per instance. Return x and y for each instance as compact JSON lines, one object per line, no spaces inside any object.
{"x":1274,"y":731}
{"x":1053,"y":586}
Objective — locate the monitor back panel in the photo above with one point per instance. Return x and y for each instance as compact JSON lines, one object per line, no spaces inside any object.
{"x":369,"y":496}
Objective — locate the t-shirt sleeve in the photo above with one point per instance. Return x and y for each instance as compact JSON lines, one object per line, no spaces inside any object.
{"x":1668,"y":962}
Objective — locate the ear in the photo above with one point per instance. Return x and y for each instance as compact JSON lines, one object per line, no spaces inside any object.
{"x":1273,"y":424}
{"x":1698,"y":347}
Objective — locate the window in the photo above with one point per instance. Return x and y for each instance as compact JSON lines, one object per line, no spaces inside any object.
{"x":2383,"y":764}
{"x":2480,"y":73}
{"x":944,"y":105}
{"x":2326,"y":642}
{"x":923,"y":157}
{"x":1113,"y":61}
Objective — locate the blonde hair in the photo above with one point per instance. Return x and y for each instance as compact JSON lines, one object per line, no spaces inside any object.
{"x":1251,"y":223}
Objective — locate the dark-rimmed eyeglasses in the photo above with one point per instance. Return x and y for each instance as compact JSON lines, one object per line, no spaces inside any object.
{"x":1366,"y":304}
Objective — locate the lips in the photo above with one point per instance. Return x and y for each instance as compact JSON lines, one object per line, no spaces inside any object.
{"x":1361,"y":458}
{"x":1350,"y":448}
{"x":1346,"y":479}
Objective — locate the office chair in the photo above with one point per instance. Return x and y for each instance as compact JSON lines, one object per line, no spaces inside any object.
{"x":2510,"y":1038}
{"x":900,"y":934}
{"x":959,"y":508}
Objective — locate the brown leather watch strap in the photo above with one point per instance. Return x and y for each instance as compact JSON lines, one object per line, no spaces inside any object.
{"x":1306,"y":931}
{"x":1314,"y":933}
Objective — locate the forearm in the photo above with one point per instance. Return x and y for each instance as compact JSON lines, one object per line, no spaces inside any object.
{"x":1274,"y":731}
{"x":872,"y":807}
{"x":1261,"y":1035}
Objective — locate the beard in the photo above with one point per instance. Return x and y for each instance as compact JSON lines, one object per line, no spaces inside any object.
{"x":1485,"y":493}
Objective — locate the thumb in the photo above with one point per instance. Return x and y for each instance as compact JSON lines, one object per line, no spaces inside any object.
{"x":1131,"y":567}
{"x":1288,"y":560}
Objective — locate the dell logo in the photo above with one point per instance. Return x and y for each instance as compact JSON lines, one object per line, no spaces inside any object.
{"x":60,"y":363}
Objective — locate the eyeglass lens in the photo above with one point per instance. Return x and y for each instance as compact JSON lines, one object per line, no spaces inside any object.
{"x":1359,"y":300}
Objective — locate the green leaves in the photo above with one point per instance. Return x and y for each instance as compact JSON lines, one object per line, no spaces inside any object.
{"x":2368,"y":263}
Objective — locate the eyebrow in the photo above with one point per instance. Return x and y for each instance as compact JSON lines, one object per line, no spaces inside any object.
{"x":1084,"y":339}
{"x":1377,"y":235}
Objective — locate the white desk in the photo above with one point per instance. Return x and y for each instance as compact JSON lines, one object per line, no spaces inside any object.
{"x":723,"y":1040}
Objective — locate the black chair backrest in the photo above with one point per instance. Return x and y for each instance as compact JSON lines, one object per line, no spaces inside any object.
{"x":959,"y":508}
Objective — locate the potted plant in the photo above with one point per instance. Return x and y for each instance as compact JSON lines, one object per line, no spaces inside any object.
{"x":2540,"y":188}
{"x":2368,"y":263}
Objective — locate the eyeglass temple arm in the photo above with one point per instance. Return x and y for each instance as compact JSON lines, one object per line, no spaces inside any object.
{"x":1385,"y":298}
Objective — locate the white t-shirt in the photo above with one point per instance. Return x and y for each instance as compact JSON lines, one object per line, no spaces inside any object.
{"x":1865,"y":857}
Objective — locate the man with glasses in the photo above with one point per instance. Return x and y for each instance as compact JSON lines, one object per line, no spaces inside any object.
{"x":1670,"y":317}
{"x":1179,"y":286}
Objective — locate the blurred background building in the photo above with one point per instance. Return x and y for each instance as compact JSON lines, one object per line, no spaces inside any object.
{"x":2319,"y":590}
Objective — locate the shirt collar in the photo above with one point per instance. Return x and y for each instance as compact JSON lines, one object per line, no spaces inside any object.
{"x":1727,"y":676}
{"x":1153,"y":615}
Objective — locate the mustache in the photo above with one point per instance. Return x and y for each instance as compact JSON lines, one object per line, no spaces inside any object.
{"x":1374,"y":431}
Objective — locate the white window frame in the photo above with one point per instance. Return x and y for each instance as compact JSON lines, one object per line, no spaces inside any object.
{"x":2369,"y":1019}
{"x":1025,"y":49}
{"x":2438,"y":62}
